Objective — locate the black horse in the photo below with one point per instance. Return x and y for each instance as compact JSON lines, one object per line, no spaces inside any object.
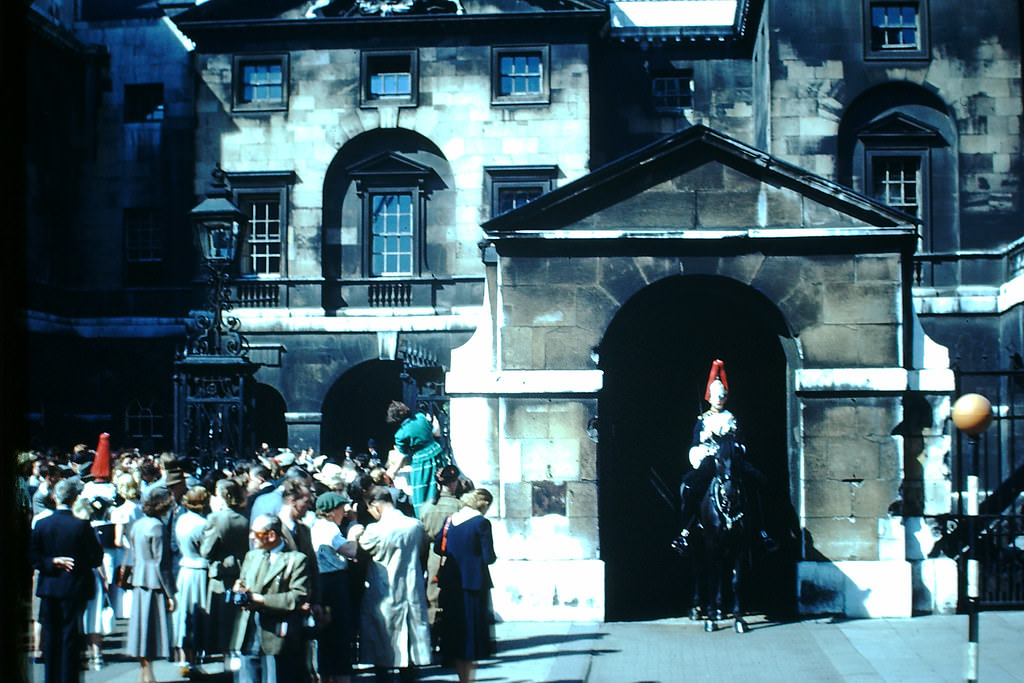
{"x":724,"y":544}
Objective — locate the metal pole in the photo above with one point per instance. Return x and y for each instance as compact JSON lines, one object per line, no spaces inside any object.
{"x":973,"y":575}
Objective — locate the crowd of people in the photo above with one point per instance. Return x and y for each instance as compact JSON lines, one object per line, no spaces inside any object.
{"x":282,"y":567}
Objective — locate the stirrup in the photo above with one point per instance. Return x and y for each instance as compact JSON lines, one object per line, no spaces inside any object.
{"x":681,"y":543}
{"x":768,"y":542}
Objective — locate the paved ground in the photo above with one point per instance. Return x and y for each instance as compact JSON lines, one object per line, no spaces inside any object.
{"x":927,"y":649}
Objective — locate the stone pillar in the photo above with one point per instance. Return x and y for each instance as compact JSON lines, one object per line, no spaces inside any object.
{"x":303,"y":430}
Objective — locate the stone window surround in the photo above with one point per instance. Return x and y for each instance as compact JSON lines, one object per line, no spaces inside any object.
{"x":541,"y":98}
{"x":238,"y":62}
{"x":498,"y":178}
{"x":366,"y":70}
{"x":263,"y":184}
{"x":921,"y":52}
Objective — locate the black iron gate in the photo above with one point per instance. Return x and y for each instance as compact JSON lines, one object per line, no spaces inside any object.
{"x":996,"y":457}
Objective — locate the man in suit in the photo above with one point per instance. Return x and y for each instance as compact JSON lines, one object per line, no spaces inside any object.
{"x":65,"y":550}
{"x":273,"y":587}
{"x":225,"y":541}
{"x":395,"y":633}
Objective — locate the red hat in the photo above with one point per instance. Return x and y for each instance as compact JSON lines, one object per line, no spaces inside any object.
{"x":101,"y":463}
{"x":717,"y":373}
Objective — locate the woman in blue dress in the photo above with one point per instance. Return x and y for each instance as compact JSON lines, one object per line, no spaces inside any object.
{"x":466,"y":546}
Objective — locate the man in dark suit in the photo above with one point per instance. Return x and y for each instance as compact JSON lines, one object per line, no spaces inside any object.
{"x":65,"y":550}
{"x":273,"y":585}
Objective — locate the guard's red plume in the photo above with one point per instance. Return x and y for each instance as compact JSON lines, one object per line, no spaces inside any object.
{"x":101,"y":463}
{"x":717,"y":372}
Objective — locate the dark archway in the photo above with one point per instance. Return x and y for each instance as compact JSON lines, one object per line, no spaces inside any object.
{"x":355,"y":408}
{"x":655,"y":356}
{"x":266,"y":419}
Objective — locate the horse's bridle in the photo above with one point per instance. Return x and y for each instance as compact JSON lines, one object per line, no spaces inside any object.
{"x":720,"y":495}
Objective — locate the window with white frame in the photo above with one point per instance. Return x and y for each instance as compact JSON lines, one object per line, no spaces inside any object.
{"x":895,"y":29}
{"x":520,"y":75}
{"x":260,"y":82}
{"x":264,"y":236}
{"x":391,"y":234}
{"x":896,"y":180}
{"x":389,"y":77}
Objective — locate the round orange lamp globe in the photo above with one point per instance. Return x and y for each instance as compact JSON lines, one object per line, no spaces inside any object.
{"x":972,"y":414}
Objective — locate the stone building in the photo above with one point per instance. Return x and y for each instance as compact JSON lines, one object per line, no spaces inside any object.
{"x":548,"y":218}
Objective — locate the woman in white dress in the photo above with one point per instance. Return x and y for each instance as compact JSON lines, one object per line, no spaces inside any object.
{"x":123,"y":517}
{"x":190,"y":617}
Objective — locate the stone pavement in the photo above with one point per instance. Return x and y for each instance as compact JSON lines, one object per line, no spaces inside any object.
{"x":927,"y":649}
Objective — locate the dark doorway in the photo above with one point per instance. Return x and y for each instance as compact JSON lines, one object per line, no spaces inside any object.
{"x":656,"y":355}
{"x":266,"y":420}
{"x":355,"y":408}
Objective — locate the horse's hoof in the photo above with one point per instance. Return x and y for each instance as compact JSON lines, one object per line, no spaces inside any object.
{"x":709,"y":626}
{"x":695,"y":614}
{"x":741,"y":626}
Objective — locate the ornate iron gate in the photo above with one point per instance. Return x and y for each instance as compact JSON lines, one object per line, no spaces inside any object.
{"x":997,"y":457}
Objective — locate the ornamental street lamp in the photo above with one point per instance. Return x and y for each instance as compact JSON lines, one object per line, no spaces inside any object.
{"x":213,"y":372}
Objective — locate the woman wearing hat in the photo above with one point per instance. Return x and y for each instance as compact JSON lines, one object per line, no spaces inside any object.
{"x":335,"y":651}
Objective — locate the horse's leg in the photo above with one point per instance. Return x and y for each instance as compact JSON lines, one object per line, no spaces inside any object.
{"x":739,"y":625}
{"x":713,"y":595}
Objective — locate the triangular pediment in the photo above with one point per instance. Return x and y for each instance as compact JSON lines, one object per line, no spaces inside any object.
{"x":389,"y":164}
{"x":699,"y":181}
{"x":898,"y":127}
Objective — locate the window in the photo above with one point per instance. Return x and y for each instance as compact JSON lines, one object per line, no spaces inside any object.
{"x":389,"y":77}
{"x":144,"y":103}
{"x":895,"y":30}
{"x":520,"y":75}
{"x":394,"y":192}
{"x":514,"y":186}
{"x":261,"y":83}
{"x":143,"y":236}
{"x":672,"y":92}
{"x":896,"y":181}
{"x":263,"y":238}
{"x":391,"y":250}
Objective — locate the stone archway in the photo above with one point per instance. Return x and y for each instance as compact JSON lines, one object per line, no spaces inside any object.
{"x":655,"y":356}
{"x":354,"y":408}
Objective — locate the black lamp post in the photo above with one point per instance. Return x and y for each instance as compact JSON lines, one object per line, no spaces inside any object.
{"x":213,"y":372}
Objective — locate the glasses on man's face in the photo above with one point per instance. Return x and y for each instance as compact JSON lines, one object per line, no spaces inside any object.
{"x":259,"y":535}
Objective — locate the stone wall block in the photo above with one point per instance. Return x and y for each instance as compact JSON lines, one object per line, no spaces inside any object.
{"x":741,"y":268}
{"x":828,"y":498}
{"x":844,"y":538}
{"x":518,"y":500}
{"x":853,"y":458}
{"x":778,"y":277}
{"x":621,"y":278}
{"x":872,"y":497}
{"x":581,"y":499}
{"x":802,"y":308}
{"x":594,"y":309}
{"x":837,"y":417}
{"x":550,"y":459}
{"x":526,"y":419}
{"x":829,"y":346}
{"x":848,"y":303}
{"x":566,"y":420}
{"x":877,"y":346}
{"x":521,"y":270}
{"x":516,"y":348}
{"x":568,"y":349}
{"x":572,"y":271}
{"x":870,"y":268}
{"x":725,"y":209}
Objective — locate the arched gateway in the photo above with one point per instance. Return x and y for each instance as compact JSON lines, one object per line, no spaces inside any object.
{"x":655,"y":358}
{"x":607,"y":300}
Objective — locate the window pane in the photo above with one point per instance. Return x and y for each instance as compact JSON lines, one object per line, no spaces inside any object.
{"x":894,"y":26}
{"x":262,"y":82}
{"x":264,"y":239}
{"x":389,"y":76}
{"x":520,"y":74}
{"x":896,"y":181}
{"x":391,"y":239}
{"x":143,"y":236}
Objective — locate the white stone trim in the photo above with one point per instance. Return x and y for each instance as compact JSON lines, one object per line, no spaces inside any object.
{"x":309,"y":418}
{"x":510,"y":382}
{"x":706,"y":235}
{"x":874,"y":379}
